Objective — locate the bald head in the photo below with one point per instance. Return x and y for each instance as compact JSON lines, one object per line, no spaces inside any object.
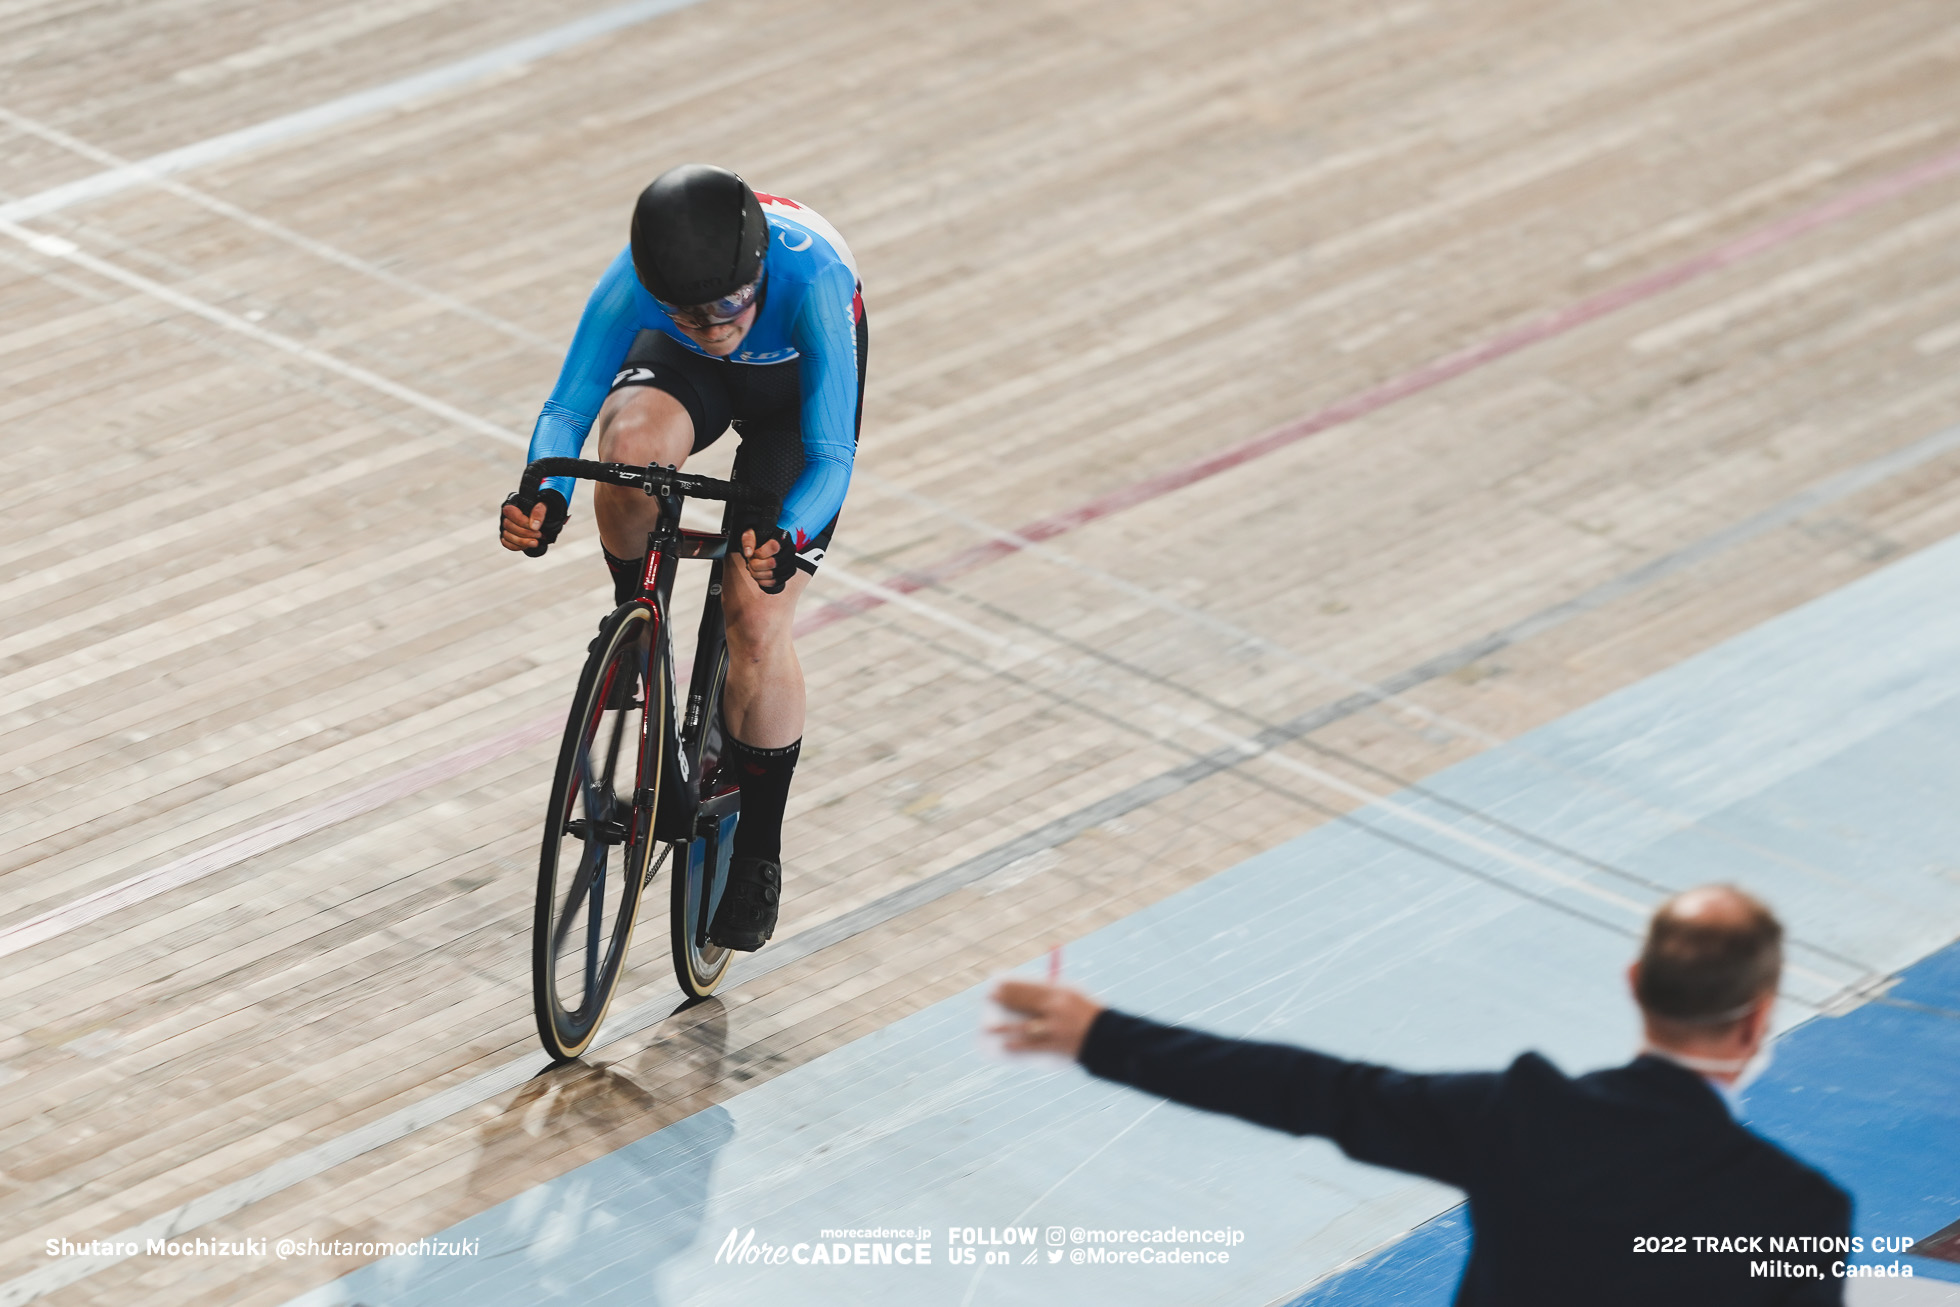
{"x":1715,"y":907}
{"x":1710,"y":956}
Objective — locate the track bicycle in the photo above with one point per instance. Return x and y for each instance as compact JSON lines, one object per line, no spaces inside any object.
{"x":638,"y":785}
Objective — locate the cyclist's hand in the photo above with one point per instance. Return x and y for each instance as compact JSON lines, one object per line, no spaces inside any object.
{"x":533,"y":526}
{"x":772,"y":562}
{"x":1057,"y":1019}
{"x":520,"y":531}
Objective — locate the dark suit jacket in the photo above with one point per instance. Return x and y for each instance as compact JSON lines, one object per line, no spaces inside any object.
{"x":1564,"y":1175}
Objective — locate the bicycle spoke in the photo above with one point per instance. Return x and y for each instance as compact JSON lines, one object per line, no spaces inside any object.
{"x":587,"y":736}
{"x":593,"y":856}
{"x":594,"y":927}
{"x":587,"y":897}
{"x":612,"y":750}
{"x":598,"y":809}
{"x":627,"y":675}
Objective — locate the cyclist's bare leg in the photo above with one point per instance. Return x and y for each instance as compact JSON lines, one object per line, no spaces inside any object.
{"x":762,"y":703}
{"x":636,"y":425}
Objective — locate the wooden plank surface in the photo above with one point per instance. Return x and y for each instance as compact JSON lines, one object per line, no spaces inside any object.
{"x":1099,"y":241}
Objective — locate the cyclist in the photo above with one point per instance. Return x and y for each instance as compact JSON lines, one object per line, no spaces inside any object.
{"x":727,"y":306}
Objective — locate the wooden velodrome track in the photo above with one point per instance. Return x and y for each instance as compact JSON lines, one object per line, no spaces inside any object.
{"x":1606,"y":331}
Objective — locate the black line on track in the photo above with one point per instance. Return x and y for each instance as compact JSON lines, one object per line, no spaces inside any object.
{"x":1063,"y":829}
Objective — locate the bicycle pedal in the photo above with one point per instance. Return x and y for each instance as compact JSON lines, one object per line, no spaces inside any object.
{"x":608,"y":832}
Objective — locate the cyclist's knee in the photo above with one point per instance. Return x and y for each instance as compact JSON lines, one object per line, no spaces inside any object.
{"x":644,"y":425}
{"x":758,"y":623}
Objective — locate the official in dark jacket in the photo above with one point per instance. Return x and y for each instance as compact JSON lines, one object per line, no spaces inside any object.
{"x":1634,"y":1185}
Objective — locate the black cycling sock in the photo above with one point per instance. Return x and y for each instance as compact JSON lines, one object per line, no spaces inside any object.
{"x":764,"y":776}
{"x":625,"y":575}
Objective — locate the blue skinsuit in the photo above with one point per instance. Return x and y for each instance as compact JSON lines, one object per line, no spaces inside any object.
{"x":809,"y":312}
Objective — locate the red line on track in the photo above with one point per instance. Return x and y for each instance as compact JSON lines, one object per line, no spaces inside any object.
{"x":237,"y":848}
{"x":1428,"y":376}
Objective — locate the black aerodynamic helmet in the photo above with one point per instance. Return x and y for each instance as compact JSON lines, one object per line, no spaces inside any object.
{"x":698,"y":235}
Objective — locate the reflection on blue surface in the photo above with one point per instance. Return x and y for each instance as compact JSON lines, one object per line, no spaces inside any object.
{"x":1491,"y":910}
{"x":598,"y":1234}
{"x":603,"y":1236}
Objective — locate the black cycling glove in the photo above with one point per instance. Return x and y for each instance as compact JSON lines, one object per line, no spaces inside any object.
{"x":556,"y":510}
{"x":785,"y":559}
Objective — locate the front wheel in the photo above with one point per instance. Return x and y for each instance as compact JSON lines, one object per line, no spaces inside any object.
{"x":598,"y":832}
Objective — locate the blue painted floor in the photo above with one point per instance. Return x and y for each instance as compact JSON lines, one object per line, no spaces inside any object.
{"x":1870,"y":1097}
{"x":1493,"y":909}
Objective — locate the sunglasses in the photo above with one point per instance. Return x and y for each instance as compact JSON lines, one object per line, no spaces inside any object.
{"x":715,"y":312}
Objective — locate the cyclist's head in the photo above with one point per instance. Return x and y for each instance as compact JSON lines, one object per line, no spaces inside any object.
{"x":698,"y":241}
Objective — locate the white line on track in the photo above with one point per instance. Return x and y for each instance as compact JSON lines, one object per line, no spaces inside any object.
{"x":347,"y":108}
{"x":216,"y":857}
{"x":1251,"y":748}
{"x":1375,"y":801}
{"x":947,"y":511}
{"x":59,"y":247}
{"x":291,"y":1171}
{"x":279,"y":232}
{"x":1379,"y":802}
{"x":1195,"y":616}
{"x":192,"y":866}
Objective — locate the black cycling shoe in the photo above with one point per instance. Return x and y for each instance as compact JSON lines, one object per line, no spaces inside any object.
{"x":747,"y":915}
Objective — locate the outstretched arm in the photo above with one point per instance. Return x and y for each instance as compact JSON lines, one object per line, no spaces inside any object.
{"x":1425,"y":1124}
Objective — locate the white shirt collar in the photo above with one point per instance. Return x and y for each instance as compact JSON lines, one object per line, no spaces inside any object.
{"x":1727,"y":1093}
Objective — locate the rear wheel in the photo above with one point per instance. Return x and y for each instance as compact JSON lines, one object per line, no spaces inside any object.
{"x":598,"y":832}
{"x":701,"y":867}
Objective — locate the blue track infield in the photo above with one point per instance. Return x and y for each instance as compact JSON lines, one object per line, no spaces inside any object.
{"x":1869,"y":1097}
{"x":1491,"y":909}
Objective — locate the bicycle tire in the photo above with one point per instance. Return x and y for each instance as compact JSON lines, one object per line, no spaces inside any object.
{"x":700,"y":965}
{"x":594,"y":811}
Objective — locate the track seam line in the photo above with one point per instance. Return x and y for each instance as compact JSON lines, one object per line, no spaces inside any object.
{"x":279,"y":231}
{"x":1385,"y":802}
{"x":60,"y":247}
{"x":242,"y":1193}
{"x":480,"y":1088}
{"x":234,"y":849}
{"x":1426,"y":377}
{"x":344,"y":109}
{"x":1005,"y":544}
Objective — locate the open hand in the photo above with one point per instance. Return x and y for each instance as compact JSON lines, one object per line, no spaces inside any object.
{"x":1057,"y":1019}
